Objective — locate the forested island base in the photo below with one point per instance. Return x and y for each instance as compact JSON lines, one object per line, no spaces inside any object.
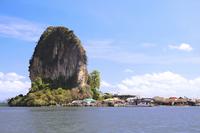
{"x":64,"y":98}
{"x":41,"y":94}
{"x":48,"y":97}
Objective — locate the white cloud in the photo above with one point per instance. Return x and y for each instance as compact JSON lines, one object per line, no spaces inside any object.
{"x":19,"y":28}
{"x":105,"y":84}
{"x":12,"y":84}
{"x":158,"y":84}
{"x":107,"y":87}
{"x":10,"y":76}
{"x":182,"y":47}
{"x":128,"y":70}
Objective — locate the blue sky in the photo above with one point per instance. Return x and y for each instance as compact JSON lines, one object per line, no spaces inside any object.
{"x":140,"y":47}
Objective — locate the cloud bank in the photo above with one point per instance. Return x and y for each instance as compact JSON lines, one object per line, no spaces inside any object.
{"x":12,"y":84}
{"x":156,"y":84}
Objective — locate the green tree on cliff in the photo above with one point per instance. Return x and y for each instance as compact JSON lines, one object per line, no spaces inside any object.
{"x":38,"y":85}
{"x":94,"y":82}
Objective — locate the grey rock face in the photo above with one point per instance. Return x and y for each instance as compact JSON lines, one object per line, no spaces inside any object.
{"x":59,"y":59}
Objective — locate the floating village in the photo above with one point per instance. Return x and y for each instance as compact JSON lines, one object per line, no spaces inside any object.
{"x":136,"y":101}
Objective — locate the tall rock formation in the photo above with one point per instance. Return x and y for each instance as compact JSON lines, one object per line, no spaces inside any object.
{"x":59,"y":59}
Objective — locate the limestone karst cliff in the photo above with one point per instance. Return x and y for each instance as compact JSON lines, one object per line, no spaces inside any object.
{"x":58,"y":70}
{"x":59,"y":59}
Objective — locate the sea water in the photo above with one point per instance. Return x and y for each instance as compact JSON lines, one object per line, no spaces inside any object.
{"x":100,"y":120}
